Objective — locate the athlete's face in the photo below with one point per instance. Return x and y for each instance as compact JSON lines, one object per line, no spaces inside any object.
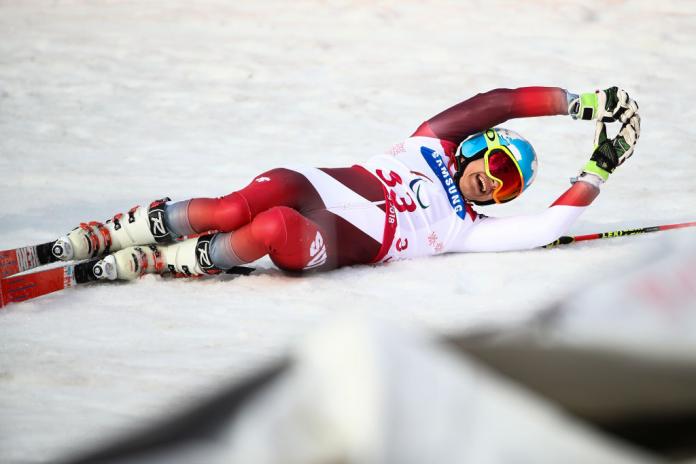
{"x":475,"y":183}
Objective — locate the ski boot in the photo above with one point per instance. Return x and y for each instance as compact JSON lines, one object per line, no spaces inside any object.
{"x":186,"y":258}
{"x":140,"y":226}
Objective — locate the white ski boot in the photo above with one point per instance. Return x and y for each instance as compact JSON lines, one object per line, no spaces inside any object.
{"x":140,"y":226}
{"x":188,"y":258}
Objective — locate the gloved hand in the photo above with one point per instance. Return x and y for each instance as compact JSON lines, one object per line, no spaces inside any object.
{"x":610,"y":153}
{"x":612,"y":104}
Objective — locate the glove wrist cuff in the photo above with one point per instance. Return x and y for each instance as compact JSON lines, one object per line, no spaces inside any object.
{"x":573,"y":102}
{"x":589,"y":178}
{"x":592,"y":168}
{"x":583,"y":106}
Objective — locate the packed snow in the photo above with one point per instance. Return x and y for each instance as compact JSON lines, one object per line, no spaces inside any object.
{"x":105,"y":105}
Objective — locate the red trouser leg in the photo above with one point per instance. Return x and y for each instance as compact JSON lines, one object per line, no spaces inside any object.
{"x":280,"y":213}
{"x":278,"y":187}
{"x":291,"y":240}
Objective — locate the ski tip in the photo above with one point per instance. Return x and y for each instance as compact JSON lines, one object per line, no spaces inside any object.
{"x":15,"y":289}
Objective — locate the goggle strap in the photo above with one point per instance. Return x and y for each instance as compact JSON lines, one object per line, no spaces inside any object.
{"x":492,"y":139}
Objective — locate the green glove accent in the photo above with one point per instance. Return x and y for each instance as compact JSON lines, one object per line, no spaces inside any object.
{"x":587,"y":106}
{"x":592,"y":168}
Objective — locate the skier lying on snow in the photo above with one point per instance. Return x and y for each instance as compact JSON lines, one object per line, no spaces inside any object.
{"x":414,"y":201}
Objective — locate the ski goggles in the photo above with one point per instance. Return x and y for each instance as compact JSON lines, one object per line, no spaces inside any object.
{"x":501,"y":166}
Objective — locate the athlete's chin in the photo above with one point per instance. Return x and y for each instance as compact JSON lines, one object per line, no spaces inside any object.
{"x":465,"y":191}
{"x":475,"y":196}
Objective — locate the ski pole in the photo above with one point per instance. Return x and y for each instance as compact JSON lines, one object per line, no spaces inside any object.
{"x":565,"y":240}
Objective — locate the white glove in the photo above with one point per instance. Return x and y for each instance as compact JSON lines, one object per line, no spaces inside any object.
{"x":612,"y":104}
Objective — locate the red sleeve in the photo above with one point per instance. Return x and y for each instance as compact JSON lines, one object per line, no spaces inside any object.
{"x":489,"y":109}
{"x":579,"y":194}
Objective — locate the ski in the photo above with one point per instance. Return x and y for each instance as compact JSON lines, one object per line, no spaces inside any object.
{"x":14,"y":289}
{"x":18,"y":288}
{"x":26,"y":258}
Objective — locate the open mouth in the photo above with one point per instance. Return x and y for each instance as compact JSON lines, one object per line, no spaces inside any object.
{"x":482,"y":184}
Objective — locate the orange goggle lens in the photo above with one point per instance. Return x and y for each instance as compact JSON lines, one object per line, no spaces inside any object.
{"x":502,"y":167}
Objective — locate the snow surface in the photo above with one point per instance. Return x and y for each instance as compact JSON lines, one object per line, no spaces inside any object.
{"x":104,"y":105}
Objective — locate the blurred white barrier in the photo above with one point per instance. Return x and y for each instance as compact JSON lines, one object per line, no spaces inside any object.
{"x":605,"y":376}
